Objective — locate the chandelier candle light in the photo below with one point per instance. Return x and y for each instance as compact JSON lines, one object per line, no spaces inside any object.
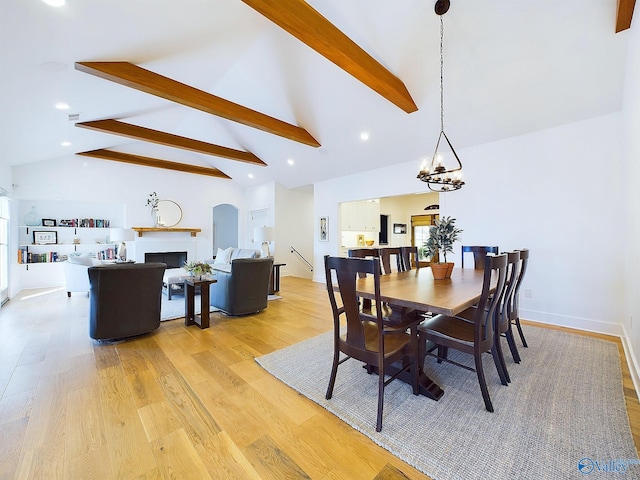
{"x":443,"y":172}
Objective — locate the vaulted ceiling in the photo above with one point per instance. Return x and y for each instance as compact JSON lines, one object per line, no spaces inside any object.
{"x":231,"y":88}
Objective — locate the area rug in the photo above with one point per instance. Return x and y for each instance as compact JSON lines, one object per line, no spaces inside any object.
{"x":174,"y":308}
{"x":562,"y":416}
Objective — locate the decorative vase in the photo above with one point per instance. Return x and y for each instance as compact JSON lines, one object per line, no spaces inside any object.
{"x":32,"y":219}
{"x":154,"y":217}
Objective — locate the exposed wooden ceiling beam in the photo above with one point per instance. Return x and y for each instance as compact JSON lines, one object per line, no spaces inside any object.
{"x":303,"y":22}
{"x":136,"y":77}
{"x":153,"y":162}
{"x":148,"y":135}
{"x":624,"y":15}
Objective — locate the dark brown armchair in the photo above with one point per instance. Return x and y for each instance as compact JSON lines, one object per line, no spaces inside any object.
{"x":124,"y":299}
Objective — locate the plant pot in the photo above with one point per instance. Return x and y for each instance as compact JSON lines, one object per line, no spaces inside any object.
{"x":441,"y":270}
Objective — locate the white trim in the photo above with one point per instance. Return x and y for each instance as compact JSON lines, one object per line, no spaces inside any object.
{"x":587,"y":324}
{"x":632,"y":361}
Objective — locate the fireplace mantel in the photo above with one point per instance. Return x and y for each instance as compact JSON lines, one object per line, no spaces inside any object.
{"x":143,"y":230}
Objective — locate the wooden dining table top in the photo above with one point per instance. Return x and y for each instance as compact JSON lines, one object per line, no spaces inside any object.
{"x":418,"y":290}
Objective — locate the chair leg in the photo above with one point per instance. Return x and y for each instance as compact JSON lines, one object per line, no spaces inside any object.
{"x":524,"y":342}
{"x":442,"y":353}
{"x":483,"y":384}
{"x":512,"y":345}
{"x":415,"y":347}
{"x":334,"y":371}
{"x":380,"y":397}
{"x":498,"y":359}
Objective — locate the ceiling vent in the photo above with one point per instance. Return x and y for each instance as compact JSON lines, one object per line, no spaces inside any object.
{"x":74,"y":117}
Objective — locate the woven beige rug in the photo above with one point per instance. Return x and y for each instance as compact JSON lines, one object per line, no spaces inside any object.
{"x":563,"y":415}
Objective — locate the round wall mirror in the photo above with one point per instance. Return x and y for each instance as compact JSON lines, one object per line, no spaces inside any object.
{"x":169,"y":213}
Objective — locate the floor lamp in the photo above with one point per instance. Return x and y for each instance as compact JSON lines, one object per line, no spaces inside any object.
{"x":264,"y":235}
{"x":121,"y":235}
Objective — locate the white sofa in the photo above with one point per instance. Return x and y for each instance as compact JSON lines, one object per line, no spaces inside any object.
{"x":173,"y":280}
{"x":76,"y":277}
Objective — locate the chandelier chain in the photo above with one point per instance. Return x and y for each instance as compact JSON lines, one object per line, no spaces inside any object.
{"x":441,"y":75}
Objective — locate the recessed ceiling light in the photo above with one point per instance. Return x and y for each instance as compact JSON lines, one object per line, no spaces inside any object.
{"x":250,"y":175}
{"x":54,"y":3}
{"x":66,"y":144}
{"x":364,"y":136}
{"x":290,"y":161}
{"x":62,"y":106}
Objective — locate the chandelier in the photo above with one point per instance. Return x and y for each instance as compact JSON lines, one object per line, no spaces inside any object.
{"x":443,"y":171}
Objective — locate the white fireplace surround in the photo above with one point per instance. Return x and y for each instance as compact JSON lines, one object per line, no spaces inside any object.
{"x":143,"y":245}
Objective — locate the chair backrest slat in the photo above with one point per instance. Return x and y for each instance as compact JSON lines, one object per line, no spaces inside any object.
{"x":495,"y":269}
{"x":479,"y":252}
{"x":406,"y":253}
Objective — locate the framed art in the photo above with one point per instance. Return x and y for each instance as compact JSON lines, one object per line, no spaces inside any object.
{"x":324,"y":229}
{"x":400,"y":228}
{"x":48,"y":222}
{"x":45,"y":237}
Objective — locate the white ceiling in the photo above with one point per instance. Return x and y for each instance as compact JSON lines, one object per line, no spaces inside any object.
{"x":511,"y":67}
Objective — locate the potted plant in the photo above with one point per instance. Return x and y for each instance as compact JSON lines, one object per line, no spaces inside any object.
{"x":197,"y":269}
{"x":440,"y":242}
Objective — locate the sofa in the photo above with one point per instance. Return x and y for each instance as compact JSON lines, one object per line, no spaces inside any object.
{"x":76,"y":278}
{"x":173,"y":279}
{"x":242,"y":287}
{"x":124,"y":299}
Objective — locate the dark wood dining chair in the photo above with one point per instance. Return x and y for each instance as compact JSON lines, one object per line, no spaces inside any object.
{"x":479,"y":252}
{"x":503,"y":319}
{"x":514,"y":313}
{"x":474,"y":337}
{"x":364,"y":253}
{"x":409,"y":258}
{"x":368,"y":338}
{"x":386,"y":255}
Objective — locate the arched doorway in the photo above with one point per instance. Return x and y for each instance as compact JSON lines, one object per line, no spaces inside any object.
{"x":225,"y":227}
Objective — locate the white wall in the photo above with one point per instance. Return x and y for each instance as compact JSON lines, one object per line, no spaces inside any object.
{"x":540,"y":191}
{"x":294,"y":228}
{"x":6,"y":177}
{"x":631,"y":115}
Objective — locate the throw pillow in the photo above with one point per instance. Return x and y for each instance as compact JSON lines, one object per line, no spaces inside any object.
{"x":223,"y":256}
{"x":81,"y":260}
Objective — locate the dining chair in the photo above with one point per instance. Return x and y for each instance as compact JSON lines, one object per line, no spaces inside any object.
{"x":503,"y":319}
{"x":385,"y":256}
{"x":514,"y":313}
{"x":409,"y":257}
{"x":479,"y":252}
{"x":364,"y":253}
{"x":368,"y":338}
{"x":474,"y":337}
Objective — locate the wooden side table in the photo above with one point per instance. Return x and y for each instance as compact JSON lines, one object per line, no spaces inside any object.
{"x":190,"y":318}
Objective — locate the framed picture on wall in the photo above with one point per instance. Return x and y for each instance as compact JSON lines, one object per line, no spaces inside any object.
{"x":45,"y":237}
{"x":400,"y":228}
{"x":324,"y":229}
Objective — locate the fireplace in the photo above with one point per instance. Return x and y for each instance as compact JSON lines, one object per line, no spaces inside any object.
{"x":172,"y":259}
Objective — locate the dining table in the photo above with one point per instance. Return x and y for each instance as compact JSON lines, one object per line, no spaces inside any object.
{"x":417,"y":290}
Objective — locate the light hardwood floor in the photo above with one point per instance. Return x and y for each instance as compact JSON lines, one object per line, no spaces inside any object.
{"x":178,"y":403}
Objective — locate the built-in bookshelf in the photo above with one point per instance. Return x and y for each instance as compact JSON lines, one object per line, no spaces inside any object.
{"x":66,"y":228}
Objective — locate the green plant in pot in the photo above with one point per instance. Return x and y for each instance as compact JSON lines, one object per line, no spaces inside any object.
{"x":197,"y":269}
{"x":442,"y":235}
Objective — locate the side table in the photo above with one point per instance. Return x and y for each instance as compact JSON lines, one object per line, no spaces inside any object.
{"x":274,"y":281}
{"x":190,"y":318}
